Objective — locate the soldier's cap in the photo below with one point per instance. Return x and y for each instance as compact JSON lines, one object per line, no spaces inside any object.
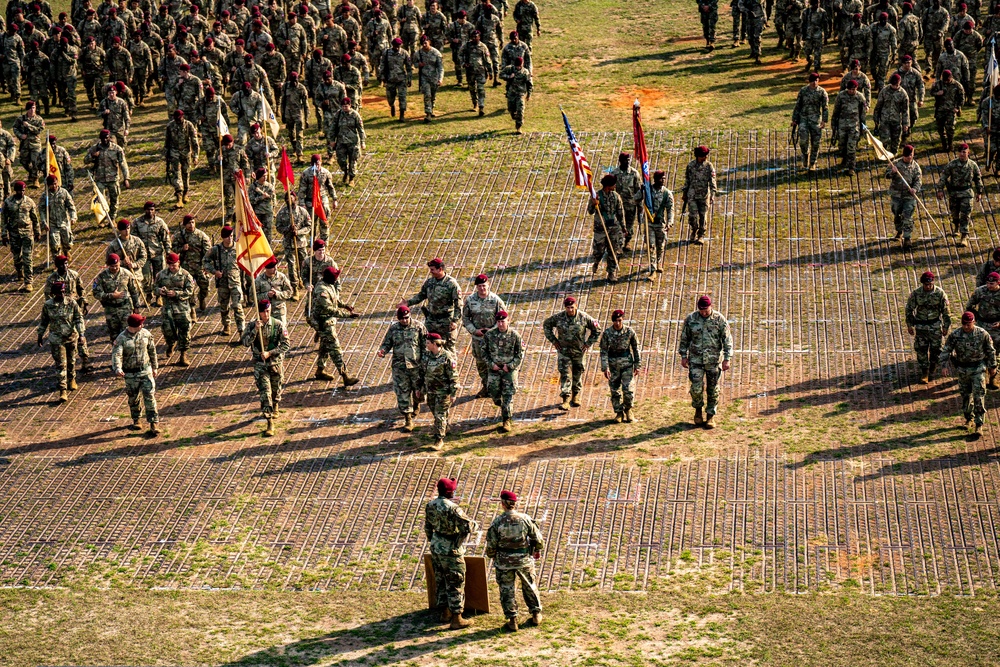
{"x":927,"y":277}
{"x":376,"y":12}
{"x":352,"y":44}
{"x":424,"y":38}
{"x":508,"y":496}
{"x":907,"y":150}
{"x":254,"y":126}
{"x":963,"y":6}
{"x":855,"y":63}
{"x":617,"y":314}
{"x":90,"y":39}
{"x":148,"y":205}
{"x":895,"y":78}
{"x":475,"y":33}
{"x":292,"y":16}
{"x":704,"y":301}
{"x":226,"y":232}
{"x":883,"y":16}
{"x":963,"y":146}
{"x":195,"y":9}
{"x":396,"y":41}
{"x":163,"y":8}
{"x":61,"y":259}
{"x":173,"y":258}
{"x":136,"y":320}
{"x":402,"y":312}
{"x":852,"y":85}
{"x":209,"y":90}
{"x":113,"y":11}
{"x":519,"y":61}
{"x":327,"y":74}
{"x":240,"y":42}
{"x":434,"y":338}
{"x":513,"y":34}
{"x":436,"y":263}
{"x":178,"y":113}
{"x":105,"y":134}
{"x":624,"y":156}
{"x":907,"y":59}
{"x":19,"y":186}
{"x":501,"y":315}
{"x":113,"y":259}
{"x":346,"y":102}
{"x":607,"y":180}
{"x":261,"y":172}
{"x":857,"y":16}
{"x":262,"y":305}
{"x":293,"y":76}
{"x":194,"y":54}
{"x":303,"y":9}
{"x":462,"y":14}
{"x":813,"y":76}
{"x":13,"y":27}
{"x":346,"y":58}
{"x":330,"y":274}
{"x":63,"y":15}
{"x":906,"y":6}
{"x":319,"y":244}
{"x":949,"y":41}
{"x":271,"y":264}
{"x":124,"y":223}
{"x":569,"y":301}
{"x":967,"y":317}
{"x":120,"y":86}
{"x":256,"y":24}
{"x":227,"y":139}
{"x":446,"y":485}
{"x":702,"y":151}
{"x":51,"y":180}
{"x":116,"y":40}
{"x":248,"y":58}
{"x":30,"y":104}
{"x":58,"y":287}
{"x":994,"y":277}
{"x":190,"y":218}
{"x":967,"y":26}
{"x":481,"y":279}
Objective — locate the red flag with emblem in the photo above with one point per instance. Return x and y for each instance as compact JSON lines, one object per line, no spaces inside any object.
{"x":285,"y":173}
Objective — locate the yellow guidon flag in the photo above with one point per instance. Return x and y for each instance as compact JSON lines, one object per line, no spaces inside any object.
{"x":252,"y":248}
{"x":98,"y":204}
{"x":880,"y":151}
{"x":52,"y":165}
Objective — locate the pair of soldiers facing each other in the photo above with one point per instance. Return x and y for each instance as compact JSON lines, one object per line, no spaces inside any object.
{"x":513,"y":541}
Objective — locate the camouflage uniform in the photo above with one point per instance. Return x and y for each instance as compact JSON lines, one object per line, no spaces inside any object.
{"x":502,"y":348}
{"x":282,"y":292}
{"x":525,"y":16}
{"x":327,"y":97}
{"x":511,"y":541}
{"x":312,"y":269}
{"x":571,"y":345}
{"x":261,"y":152}
{"x":261,"y":195}
{"x":326,"y":308}
{"x":21,"y":230}
{"x":883,"y":53}
{"x":198,"y":243}
{"x":377,"y":33}
{"x":989,"y":119}
{"x":181,"y":147}
{"x":248,"y":109}
{"x":903,"y":203}
{"x":892,"y":115}
{"x":620,"y":355}
{"x":57,"y":210}
{"x":208,"y":125}
{"x":480,"y":313}
{"x":927,"y":314}
{"x":176,"y":311}
{"x":857,"y":45}
{"x":447,"y":527}
{"x":294,"y":112}
{"x":92,"y":63}
{"x":105,"y":164}
{"x":350,"y":76}
{"x":459,"y":34}
{"x":188,"y":92}
{"x":476,"y":62}
{"x":607,"y":245}
{"x":64,"y":321}
{"x":700,"y":187}
{"x":935,"y":24}
{"x":435,"y":24}
{"x":118,"y":119}
{"x":135,"y":355}
{"x":814,"y":31}
{"x":511,"y":52}
{"x":155,"y":234}
{"x":849,"y":113}
{"x":327,"y":194}
{"x":913,"y":84}
{"x":119,"y":63}
{"x":116,"y":311}
{"x":430,"y":66}
{"x":142,"y":62}
{"x":963,"y":182}
{"x":268,"y":374}
{"x":973,"y":354}
{"x":986,"y":305}
{"x":8,"y":152}
{"x":909,"y":33}
{"x":31,"y":133}
{"x":38,"y":70}
{"x":296,"y":241}
{"x":629,"y":185}
{"x":948,"y":100}
{"x":234,"y":159}
{"x":444,"y":307}
{"x":988,"y":267}
{"x":703,"y":341}
{"x":12,"y":53}
{"x":440,"y":386}
{"x":812,"y":107}
{"x":488,"y":24}
{"x":229,"y":288}
{"x":406,"y":343}
{"x":396,"y":72}
{"x":349,"y":136}
{"x":73,"y":290}
{"x":663,"y":219}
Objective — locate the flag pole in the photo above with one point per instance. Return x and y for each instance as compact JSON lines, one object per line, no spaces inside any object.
{"x":312,"y":227}
{"x":48,"y":229}
{"x":222,"y":179}
{"x":253,"y":278}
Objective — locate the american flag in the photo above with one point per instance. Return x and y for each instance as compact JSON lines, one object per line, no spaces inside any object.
{"x":583,"y":177}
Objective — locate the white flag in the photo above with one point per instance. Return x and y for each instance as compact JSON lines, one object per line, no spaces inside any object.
{"x":992,"y":71}
{"x":272,"y":122}
{"x":223,"y":126}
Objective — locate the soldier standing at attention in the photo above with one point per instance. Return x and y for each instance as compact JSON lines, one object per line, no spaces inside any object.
{"x":64,"y":321}
{"x":175,"y":286}
{"x":609,"y":227}
{"x":812,"y":111}
{"x":985,"y":303}
{"x":699,"y":188}
{"x":443,"y":311}
{"x":503,"y":352}
{"x":447,"y":527}
{"x":118,"y":291}
{"x":571,"y":343}
{"x":405,"y":340}
{"x":970,"y":350}
{"x":440,"y":386}
{"x":927,"y":319}
{"x":134,"y":358}
{"x":21,"y":230}
{"x":326,"y":308}
{"x":704,"y":339}
{"x":479,"y":316}
{"x":963,"y":181}
{"x":268,"y":369}
{"x":663,"y":217}
{"x":619,"y":362}
{"x":514,"y":542}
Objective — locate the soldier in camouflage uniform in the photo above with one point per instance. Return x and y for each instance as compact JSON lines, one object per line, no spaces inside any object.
{"x":892,"y":114}
{"x":296,"y":239}
{"x":435,"y":23}
{"x":64,"y":321}
{"x":985,"y":303}
{"x":209,"y":111}
{"x":221,"y":263}
{"x":11,"y":55}
{"x":107,"y":162}
{"x":21,"y":230}
{"x":525,"y":17}
{"x":479,"y":316}
{"x":935,"y":24}
{"x":234,"y":159}
{"x":519,"y":87}
{"x":447,"y":527}
{"x":193,"y":245}
{"x":274,"y":286}
{"x":377,"y":33}
{"x":318,"y":262}
{"x":430,"y":68}
{"x":609,"y":227}
{"x":118,"y":291}
{"x":620,"y":361}
{"x":913,"y":83}
{"x":849,"y":113}
{"x":704,"y":339}
{"x":131,"y":250}
{"x":970,"y":350}
{"x":440,"y":384}
{"x":514,"y":542}
{"x":909,"y":32}
{"x":459,"y":34}
{"x":949,"y":96}
{"x":73,"y":289}
{"x":268,"y":342}
{"x":175,"y":286}
{"x":629,"y":186}
{"x":663,"y":217}
{"x":57,"y":214}
{"x":327,"y":96}
{"x":273,"y":64}
{"x":327,"y":193}
{"x":261,"y":197}
{"x":963,"y":181}
{"x":708,"y":11}
{"x":349,"y":75}
{"x":143,"y":64}
{"x":700,"y":187}
{"x":884,"y":46}
{"x":927,"y":319}
{"x":188,"y":91}
{"x":348,"y":134}
{"x":8,"y":151}
{"x":180,"y":150}
{"x":904,"y":194}
{"x":29,"y":129}
{"x":989,"y":118}
{"x":117,"y":117}
{"x":405,"y":340}
{"x":443,"y":311}
{"x":326,"y":308}
{"x":814,"y":32}
{"x":476,"y":63}
{"x":989,"y":266}
{"x":133,"y":357}
{"x":92,"y":59}
{"x":515,"y":49}
{"x":571,"y":343}
{"x":294,"y":111}
{"x":38,"y":70}
{"x":809,"y":117}
{"x":503,"y":353}
{"x":857,"y":42}
{"x":396,"y":73}
{"x":155,"y":235}
{"x":260,"y":150}
{"x":248,"y":107}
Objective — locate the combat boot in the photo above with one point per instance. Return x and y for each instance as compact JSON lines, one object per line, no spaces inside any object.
{"x":536,"y":618}
{"x":698,"y":418}
{"x":565,"y":403}
{"x":178,"y":201}
{"x":575,"y":401}
{"x":906,"y":245}
{"x":710,"y":422}
{"x":183,"y":360}
{"x":63,"y":396}
{"x":699,"y":239}
{"x":504,"y":426}
{"x":402,"y":115}
{"x":992,"y":384}
{"x":437,"y":447}
{"x":978,"y":432}
{"x":28,"y":286}
{"x":269,"y":429}
{"x":898,"y":236}
{"x":86,"y":367}
{"x":73,"y":385}
{"x":629,"y":417}
{"x":457,"y":622}
{"x":226,"y":331}
{"x":407,"y":423}
{"x":924,"y":379}
{"x":597,"y":265}
{"x":612,"y":277}
{"x":135,"y":425}
{"x":483,"y":393}
{"x":154,"y":430}
{"x":930,"y":371}
{"x":321,"y":374}
{"x":963,"y":240}
{"x":170,"y":350}
{"x":392,"y":110}
{"x":446,"y":615}
{"x":202,"y":307}
{"x":510,"y":625}
{"x":619,"y":418}
{"x":482,"y":111}
{"x":349,"y":381}
{"x":517,"y":129}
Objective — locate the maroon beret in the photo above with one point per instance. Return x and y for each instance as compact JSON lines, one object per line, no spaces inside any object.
{"x":704,"y":301}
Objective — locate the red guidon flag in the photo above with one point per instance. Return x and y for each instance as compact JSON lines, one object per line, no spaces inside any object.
{"x":252,"y":249}
{"x":317,"y":202}
{"x":285,"y":173}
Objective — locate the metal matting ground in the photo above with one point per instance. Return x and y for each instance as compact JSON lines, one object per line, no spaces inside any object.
{"x":802,"y":266}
